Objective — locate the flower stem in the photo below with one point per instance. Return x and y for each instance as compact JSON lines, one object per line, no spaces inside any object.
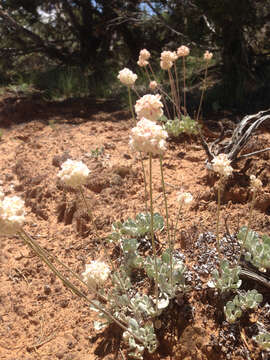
{"x":203,"y":91}
{"x":249,"y":223}
{"x":130,"y":105}
{"x":167,"y":218}
{"x":141,"y":158}
{"x":184,"y":76}
{"x":173,"y":92}
{"x":152,"y":229}
{"x":176,"y":223}
{"x":177,"y":91}
{"x":218,"y":219}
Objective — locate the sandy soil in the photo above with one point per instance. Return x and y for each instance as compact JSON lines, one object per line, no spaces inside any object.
{"x":39,"y":317}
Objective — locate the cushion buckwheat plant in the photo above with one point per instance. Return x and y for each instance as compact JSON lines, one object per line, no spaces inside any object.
{"x":148,"y":137}
{"x":74,"y":173}
{"x":134,"y":305}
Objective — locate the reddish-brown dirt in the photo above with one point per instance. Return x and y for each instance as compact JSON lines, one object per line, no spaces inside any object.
{"x":40,"y":318}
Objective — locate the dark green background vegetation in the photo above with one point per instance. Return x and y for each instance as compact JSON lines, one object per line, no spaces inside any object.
{"x":76,"y":47}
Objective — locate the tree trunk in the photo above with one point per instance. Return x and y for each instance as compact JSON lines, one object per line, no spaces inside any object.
{"x":237,"y":64}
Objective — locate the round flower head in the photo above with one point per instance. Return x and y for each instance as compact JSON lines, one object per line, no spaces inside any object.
{"x":144,"y":54}
{"x":166,"y":65}
{"x":184,"y":198}
{"x":142,"y":62}
{"x":127,"y":77}
{"x":73,"y":173}
{"x":221,"y":165}
{"x":183,"y":51}
{"x":153,"y":85}
{"x":208,"y":55}
{"x":11,"y":215}
{"x":149,"y":106}
{"x":96,"y":273}
{"x":255,"y":183}
{"x":174,"y":56}
{"x":168,"y":56}
{"x":148,"y":137}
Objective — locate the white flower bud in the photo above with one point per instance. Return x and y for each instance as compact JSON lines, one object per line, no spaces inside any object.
{"x":153,"y":85}
{"x":11,"y":215}
{"x":96,"y":273}
{"x":221,"y":165}
{"x":208,"y":55}
{"x":255,"y":183}
{"x":184,"y":198}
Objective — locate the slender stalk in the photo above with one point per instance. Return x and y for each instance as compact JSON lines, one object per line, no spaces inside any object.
{"x":141,"y":158}
{"x":176,"y":223}
{"x":177,"y":90}
{"x":173,"y":92}
{"x":167,"y":218}
{"x":59,"y":262}
{"x":42,"y":255}
{"x":152,"y":229}
{"x":249,"y":223}
{"x":154,"y":76}
{"x":40,"y":251}
{"x":184,"y":78}
{"x":203,"y":91}
{"x":130,"y":104}
{"x":147,"y":73}
{"x":218,"y":219}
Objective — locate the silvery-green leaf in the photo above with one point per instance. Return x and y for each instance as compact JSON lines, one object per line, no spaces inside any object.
{"x":138,"y":262}
{"x":163,"y":303}
{"x":211,"y":284}
{"x":99,"y":326}
{"x":93,"y":307}
{"x":133,"y":323}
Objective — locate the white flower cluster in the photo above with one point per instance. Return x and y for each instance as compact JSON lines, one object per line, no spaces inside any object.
{"x":73,"y":173}
{"x":183,"y":51}
{"x":143,"y":57}
{"x":149,"y":106}
{"x":167,"y":58}
{"x":208,"y":55}
{"x":184,"y":198}
{"x":127,"y":77}
{"x":11,"y":214}
{"x":221,"y":165}
{"x":148,"y":137}
{"x":96,"y":273}
{"x":255,"y":183}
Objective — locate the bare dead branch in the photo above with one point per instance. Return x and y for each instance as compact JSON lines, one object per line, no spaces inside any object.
{"x":241,"y":135}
